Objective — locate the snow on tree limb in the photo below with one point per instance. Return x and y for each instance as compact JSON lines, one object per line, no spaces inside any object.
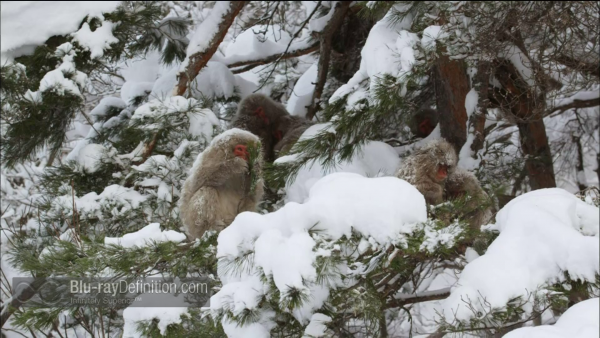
{"x":202,"y":53}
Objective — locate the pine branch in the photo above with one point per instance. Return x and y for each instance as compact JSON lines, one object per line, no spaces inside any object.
{"x":341,"y":8}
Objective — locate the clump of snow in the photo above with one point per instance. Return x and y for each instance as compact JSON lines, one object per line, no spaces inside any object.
{"x":105,"y":104}
{"x":387,"y":40}
{"x":374,"y":159}
{"x":284,"y":250}
{"x":214,"y":80}
{"x":432,"y":34}
{"x":97,"y":41}
{"x":90,"y":157}
{"x":303,"y":92}
{"x":202,"y":121}
{"x":581,"y":321}
{"x":541,"y":236}
{"x":465,"y":160}
{"x":130,"y":90}
{"x":208,"y":28}
{"x":32,"y":22}
{"x":254,"y":44}
{"x":317,"y":325}
{"x":164,"y":315}
{"x":145,"y":236}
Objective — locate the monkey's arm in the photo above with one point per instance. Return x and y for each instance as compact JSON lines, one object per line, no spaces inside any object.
{"x":217,"y":174}
{"x":434,"y":193}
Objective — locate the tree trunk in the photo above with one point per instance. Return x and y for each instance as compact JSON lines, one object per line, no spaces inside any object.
{"x":451,"y":89}
{"x":527,"y":107}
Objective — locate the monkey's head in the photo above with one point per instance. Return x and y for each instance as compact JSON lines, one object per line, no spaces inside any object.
{"x":439,"y":159}
{"x":234,"y":143}
{"x":424,"y":122}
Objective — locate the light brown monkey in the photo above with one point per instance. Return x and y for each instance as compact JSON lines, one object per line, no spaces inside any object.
{"x":258,"y":114}
{"x":288,"y":130}
{"x":427,"y":169}
{"x":463,"y":184}
{"x":219,"y":187}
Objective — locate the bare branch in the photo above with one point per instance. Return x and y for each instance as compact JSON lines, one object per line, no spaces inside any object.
{"x":577,"y":104}
{"x":250,"y":64}
{"x":418,"y":297}
{"x":341,"y":8}
{"x":582,"y":66}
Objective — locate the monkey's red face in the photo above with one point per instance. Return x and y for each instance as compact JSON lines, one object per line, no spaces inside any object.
{"x":426,"y":127}
{"x":442,"y":172}
{"x":260,"y":112}
{"x":277,"y":134}
{"x":241,"y":151}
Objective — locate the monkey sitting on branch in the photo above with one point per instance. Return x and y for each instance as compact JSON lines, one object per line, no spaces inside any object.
{"x":225,"y":181}
{"x":428,"y":168}
{"x":258,"y":114}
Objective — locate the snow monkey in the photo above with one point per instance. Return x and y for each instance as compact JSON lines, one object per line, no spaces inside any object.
{"x":423,"y":122}
{"x":258,"y":113}
{"x":288,"y":130}
{"x":220,"y":184}
{"x":427,"y":169}
{"x":461,"y":183}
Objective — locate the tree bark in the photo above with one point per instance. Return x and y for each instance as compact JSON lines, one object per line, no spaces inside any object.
{"x":451,"y":89}
{"x":198,"y":60}
{"x":477,"y":120}
{"x":325,"y":37}
{"x":527,"y":107}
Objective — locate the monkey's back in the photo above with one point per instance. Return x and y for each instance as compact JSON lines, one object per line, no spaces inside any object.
{"x":292,"y":128}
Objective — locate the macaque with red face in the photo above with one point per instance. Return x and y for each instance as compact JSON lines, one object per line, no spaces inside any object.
{"x":259,"y":114}
{"x":428,"y":168}
{"x":218,"y":188}
{"x":424,"y":122}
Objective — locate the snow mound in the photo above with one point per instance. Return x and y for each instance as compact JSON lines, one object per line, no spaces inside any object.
{"x":90,"y":157}
{"x":284,"y":250}
{"x":102,"y":109}
{"x":581,"y":321}
{"x":303,"y":92}
{"x":542,"y":234}
{"x":374,"y":159}
{"x":164,"y":315}
{"x":97,"y":41}
{"x":258,"y":42}
{"x":145,"y":236}
{"x":32,"y":22}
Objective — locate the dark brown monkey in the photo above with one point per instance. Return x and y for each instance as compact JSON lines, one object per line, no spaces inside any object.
{"x":219,"y":186}
{"x":463,"y":184}
{"x":427,"y":169}
{"x":424,"y":122}
{"x":287,"y":131}
{"x":258,"y":114}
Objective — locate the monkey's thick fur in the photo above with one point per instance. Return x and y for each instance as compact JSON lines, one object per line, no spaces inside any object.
{"x":291,"y":127}
{"x":218,"y":188}
{"x":258,"y":113}
{"x":420,"y":169}
{"x":461,"y":184}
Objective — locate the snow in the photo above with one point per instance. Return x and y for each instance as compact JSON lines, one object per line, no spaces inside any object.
{"x":465,"y":160}
{"x":164,"y":315}
{"x":145,"y":236}
{"x":252,"y":43}
{"x":374,"y":159}
{"x":317,"y":327}
{"x":543,"y":233}
{"x":207,"y":29}
{"x":430,"y":35}
{"x":131,"y":90}
{"x":105,"y":104}
{"x":284,"y":250}
{"x":302,"y":95}
{"x":90,"y":157}
{"x":214,"y":80}
{"x":388,"y":50}
{"x":581,"y":321}
{"x":97,"y":41}
{"x":202,"y":123}
{"x":25,"y":23}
